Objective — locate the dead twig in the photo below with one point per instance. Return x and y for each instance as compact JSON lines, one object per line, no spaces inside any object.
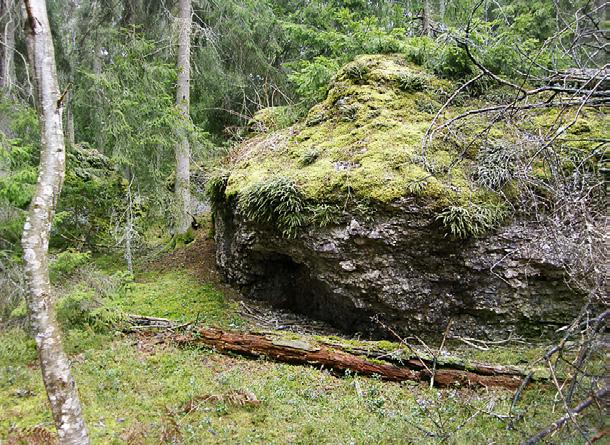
{"x":598,"y":395}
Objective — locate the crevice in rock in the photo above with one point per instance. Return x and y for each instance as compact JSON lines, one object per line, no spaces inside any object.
{"x":288,"y":284}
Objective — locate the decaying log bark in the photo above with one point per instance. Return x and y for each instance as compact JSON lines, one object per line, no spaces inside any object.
{"x":340,"y":357}
{"x":311,"y":353}
{"x":422,"y":362}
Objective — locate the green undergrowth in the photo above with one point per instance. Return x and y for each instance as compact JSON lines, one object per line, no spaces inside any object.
{"x":177,"y":296}
{"x":134,"y":392}
{"x":94,"y":300}
{"x":362,"y":145}
{"x":137,"y":391}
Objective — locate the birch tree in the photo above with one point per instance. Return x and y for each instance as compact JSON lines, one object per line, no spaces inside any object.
{"x":183,"y":151}
{"x":54,"y":364}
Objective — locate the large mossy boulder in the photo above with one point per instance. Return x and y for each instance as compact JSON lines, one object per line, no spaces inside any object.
{"x":346,"y":216}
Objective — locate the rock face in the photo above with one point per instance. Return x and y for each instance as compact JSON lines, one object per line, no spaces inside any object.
{"x":401,"y":267}
{"x":345,"y":216}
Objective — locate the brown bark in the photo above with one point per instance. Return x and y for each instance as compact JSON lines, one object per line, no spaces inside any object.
{"x":183,"y":151}
{"x":305,"y":352}
{"x":54,"y":364}
{"x":415,"y":362}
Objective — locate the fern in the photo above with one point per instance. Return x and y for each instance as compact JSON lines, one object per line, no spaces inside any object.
{"x":357,"y":72}
{"x":309,"y":157}
{"x":275,"y":201}
{"x":417,"y":186}
{"x":495,"y":164}
{"x":323,"y":215}
{"x":410,"y":83}
{"x":471,"y":221}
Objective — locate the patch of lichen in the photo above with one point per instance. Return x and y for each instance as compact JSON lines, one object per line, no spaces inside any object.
{"x":363,"y":143}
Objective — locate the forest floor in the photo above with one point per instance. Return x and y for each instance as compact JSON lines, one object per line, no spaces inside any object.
{"x":136,"y":389}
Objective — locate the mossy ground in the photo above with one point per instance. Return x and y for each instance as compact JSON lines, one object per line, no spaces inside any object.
{"x":174,"y":295}
{"x":134,"y":393}
{"x":137,"y":391}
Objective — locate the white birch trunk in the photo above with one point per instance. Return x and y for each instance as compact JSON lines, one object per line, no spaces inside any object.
{"x":183,"y":151}
{"x":54,"y":364}
{"x":70,"y":125}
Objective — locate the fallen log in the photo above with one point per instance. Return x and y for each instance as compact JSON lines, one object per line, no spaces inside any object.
{"x":341,"y":357}
{"x":316,"y":354}
{"x":423,"y":361}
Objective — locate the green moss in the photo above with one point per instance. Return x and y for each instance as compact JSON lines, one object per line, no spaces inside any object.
{"x":387,"y":345}
{"x":182,"y":239}
{"x":574,"y":128}
{"x":274,"y":118}
{"x":177,"y":296}
{"x":139,"y":392}
{"x":363,"y":144}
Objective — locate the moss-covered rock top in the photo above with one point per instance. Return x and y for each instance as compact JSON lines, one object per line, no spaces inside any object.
{"x":363,"y":140}
{"x":363,"y":143}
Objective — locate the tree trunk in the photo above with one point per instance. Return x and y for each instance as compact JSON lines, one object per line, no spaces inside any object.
{"x":426,"y":24}
{"x":54,"y":364}
{"x":129,"y":227}
{"x":183,"y":151}
{"x":442,"y":5}
{"x":70,"y":124}
{"x":8,"y":26}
